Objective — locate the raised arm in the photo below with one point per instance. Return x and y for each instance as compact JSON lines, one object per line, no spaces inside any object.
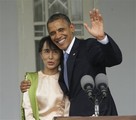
{"x":97,"y":25}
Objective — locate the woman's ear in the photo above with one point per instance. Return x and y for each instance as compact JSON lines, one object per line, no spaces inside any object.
{"x":41,"y":55}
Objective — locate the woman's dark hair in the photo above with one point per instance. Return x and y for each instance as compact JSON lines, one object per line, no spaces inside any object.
{"x":51,"y":45}
{"x":49,"y":42}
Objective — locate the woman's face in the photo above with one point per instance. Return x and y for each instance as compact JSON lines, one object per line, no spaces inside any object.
{"x":50,"y":57}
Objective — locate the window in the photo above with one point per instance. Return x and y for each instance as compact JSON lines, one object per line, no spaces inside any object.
{"x":43,"y":9}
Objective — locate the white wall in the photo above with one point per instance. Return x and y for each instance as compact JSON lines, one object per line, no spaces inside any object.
{"x":16,"y":39}
{"x":119,"y":17}
{"x":26,"y":37}
{"x":135,"y":53}
{"x":9,"y":84}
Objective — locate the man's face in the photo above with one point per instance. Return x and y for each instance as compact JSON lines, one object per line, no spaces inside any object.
{"x":61,"y":33}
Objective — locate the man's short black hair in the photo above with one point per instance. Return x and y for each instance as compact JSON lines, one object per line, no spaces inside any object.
{"x":57,"y":16}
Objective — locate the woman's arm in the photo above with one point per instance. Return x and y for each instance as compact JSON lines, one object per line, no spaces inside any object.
{"x":27,"y":107}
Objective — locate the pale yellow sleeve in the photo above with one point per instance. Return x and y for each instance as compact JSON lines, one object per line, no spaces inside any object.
{"x":67,"y":106}
{"x":27,"y":107}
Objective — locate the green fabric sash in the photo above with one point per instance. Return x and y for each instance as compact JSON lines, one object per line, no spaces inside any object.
{"x":33,"y":77}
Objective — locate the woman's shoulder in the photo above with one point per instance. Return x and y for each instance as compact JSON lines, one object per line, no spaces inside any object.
{"x":31,"y":75}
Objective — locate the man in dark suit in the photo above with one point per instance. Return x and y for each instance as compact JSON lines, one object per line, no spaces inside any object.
{"x":90,"y":56}
{"x":85,"y":57}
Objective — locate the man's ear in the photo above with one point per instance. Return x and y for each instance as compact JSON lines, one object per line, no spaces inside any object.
{"x":72,"y":27}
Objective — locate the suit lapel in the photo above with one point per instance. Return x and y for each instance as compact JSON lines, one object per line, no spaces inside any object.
{"x":72,"y":58}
